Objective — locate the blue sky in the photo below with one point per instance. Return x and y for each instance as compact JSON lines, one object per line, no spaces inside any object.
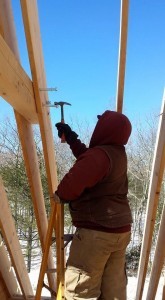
{"x":80,"y":41}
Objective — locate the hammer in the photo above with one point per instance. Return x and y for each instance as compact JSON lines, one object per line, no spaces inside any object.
{"x":61,"y":104}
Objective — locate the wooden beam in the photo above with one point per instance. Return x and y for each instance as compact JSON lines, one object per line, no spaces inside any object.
{"x":32,"y":31}
{"x":45,"y":253}
{"x":7,"y":31}
{"x":32,"y":169}
{"x":122,"y":54}
{"x":7,"y":271}
{"x":153,"y":198}
{"x":15,"y":86}
{"x":27,"y":142}
{"x":11,"y":240}
{"x":158,"y":261}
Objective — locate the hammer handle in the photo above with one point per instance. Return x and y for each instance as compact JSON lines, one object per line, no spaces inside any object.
{"x":63,"y":140}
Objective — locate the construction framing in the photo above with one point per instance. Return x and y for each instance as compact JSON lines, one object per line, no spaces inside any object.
{"x":29,"y":105}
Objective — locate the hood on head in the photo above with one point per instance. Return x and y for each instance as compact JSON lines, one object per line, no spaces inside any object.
{"x":112,"y":128}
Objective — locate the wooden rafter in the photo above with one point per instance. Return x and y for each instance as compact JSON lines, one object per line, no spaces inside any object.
{"x":15,"y":85}
{"x":32,"y":169}
{"x":122,"y":54}
{"x":153,"y":198}
{"x":159,"y":258}
{"x":32,"y":31}
{"x":7,"y":271}
{"x":27,"y":140}
{"x":10,"y":236}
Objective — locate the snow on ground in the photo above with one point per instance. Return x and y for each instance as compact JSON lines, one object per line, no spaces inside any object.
{"x":132,"y":284}
{"x":131,"y":288}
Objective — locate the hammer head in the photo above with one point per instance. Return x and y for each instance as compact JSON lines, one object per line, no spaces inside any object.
{"x":61,"y":103}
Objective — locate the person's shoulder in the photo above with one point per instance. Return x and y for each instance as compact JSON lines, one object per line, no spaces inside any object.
{"x":95,"y":159}
{"x":95,"y":152}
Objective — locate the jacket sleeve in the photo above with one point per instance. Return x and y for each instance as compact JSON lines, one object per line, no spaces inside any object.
{"x":77,"y":148}
{"x":88,"y":170}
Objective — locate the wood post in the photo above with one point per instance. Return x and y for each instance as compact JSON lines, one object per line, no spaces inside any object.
{"x":122,"y":54}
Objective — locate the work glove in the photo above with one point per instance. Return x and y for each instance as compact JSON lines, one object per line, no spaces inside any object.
{"x":70,"y":135}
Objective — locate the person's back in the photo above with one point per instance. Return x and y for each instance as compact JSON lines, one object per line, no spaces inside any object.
{"x":96,"y":189}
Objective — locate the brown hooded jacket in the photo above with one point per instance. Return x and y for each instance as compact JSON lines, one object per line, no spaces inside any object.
{"x":96,"y":186}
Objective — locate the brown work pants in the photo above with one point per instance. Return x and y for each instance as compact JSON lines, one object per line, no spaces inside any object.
{"x":96,"y":266}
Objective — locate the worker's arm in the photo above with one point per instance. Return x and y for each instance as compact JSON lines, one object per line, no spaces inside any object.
{"x":77,"y":147}
{"x":89,"y":169}
{"x":71,"y":138}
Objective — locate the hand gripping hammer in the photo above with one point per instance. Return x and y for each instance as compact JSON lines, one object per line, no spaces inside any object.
{"x":61,"y":104}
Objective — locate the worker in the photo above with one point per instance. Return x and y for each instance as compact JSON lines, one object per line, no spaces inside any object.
{"x":96,"y":190}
